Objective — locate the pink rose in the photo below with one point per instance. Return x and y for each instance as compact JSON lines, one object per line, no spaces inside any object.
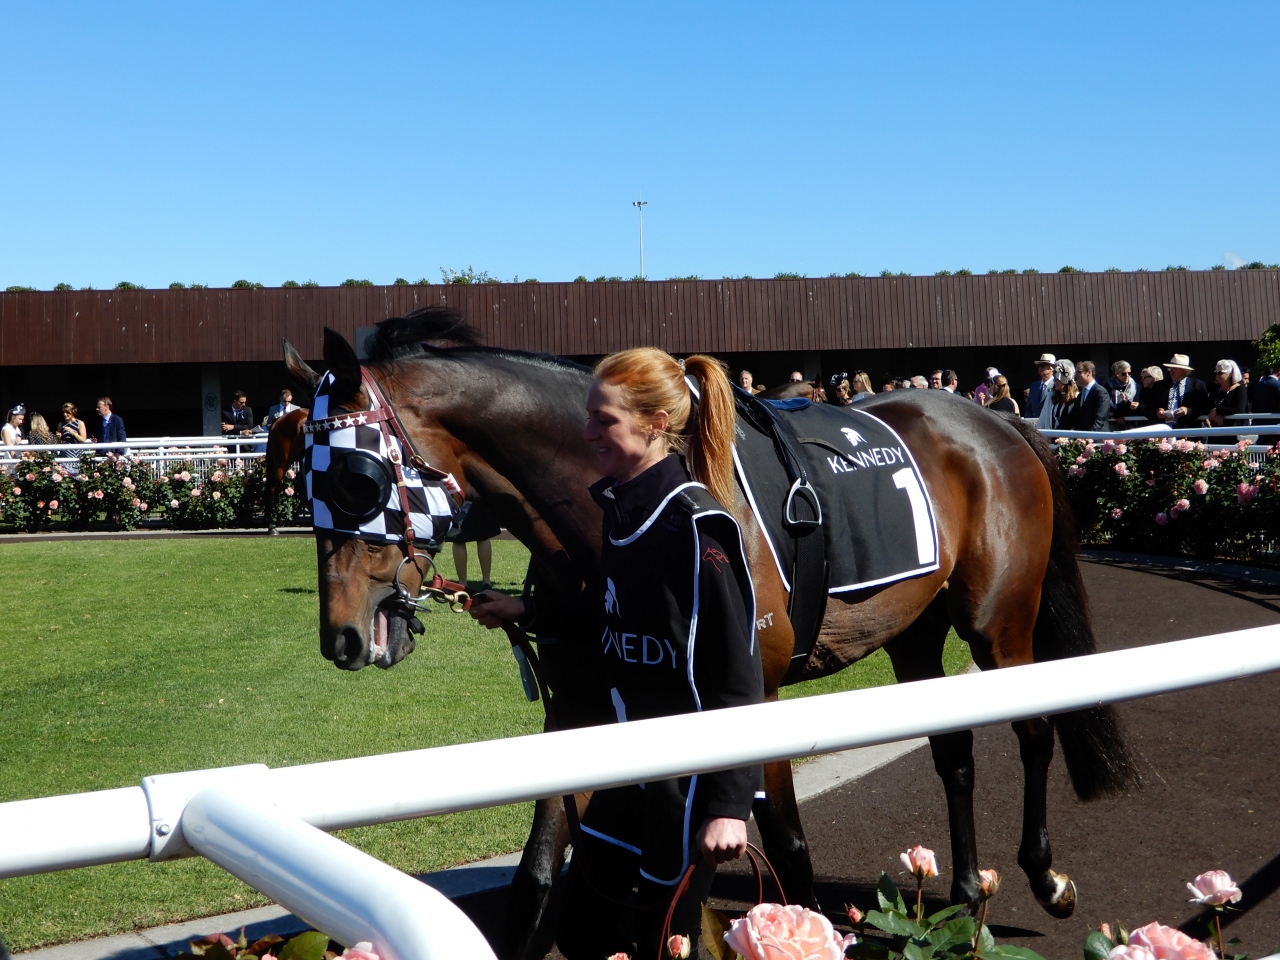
{"x":290,"y":474}
{"x":99,"y":494}
{"x":1126,"y":952}
{"x":1074,"y":471}
{"x":184,"y":476}
{"x":920,"y":862}
{"x":773,"y":932}
{"x":30,"y":477}
{"x":1121,"y":468}
{"x":1214,"y":888}
{"x":45,"y":470}
{"x":288,"y":491}
{"x":1211,"y":464}
{"x":1108,"y":446}
{"x":217,"y":475}
{"x":855,"y":915}
{"x":136,"y":501}
{"x":17,"y":491}
{"x":1164,"y":446}
{"x":1169,"y":944}
{"x":1161,"y":519}
{"x":222,"y":462}
{"x":1089,"y":449}
{"x":1201,"y":487}
{"x":1183,"y":505}
{"x":143,"y":507}
{"x":39,"y":504}
{"x":1116,"y":513}
{"x":845,"y":942}
{"x":1082,"y":459}
{"x":988,"y":883}
{"x":173,"y":504}
{"x":1245,"y":493}
{"x":53,"y":504}
{"x":1122,"y":448}
{"x":1242,"y":445}
{"x":163,"y":478}
{"x":1061,"y":441}
{"x":361,"y":951}
{"x":679,"y":947}
{"x":217,"y":495}
{"x":96,"y":475}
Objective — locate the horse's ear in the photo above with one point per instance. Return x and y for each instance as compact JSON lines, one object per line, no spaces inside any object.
{"x":304,"y":378}
{"x":341,"y":360}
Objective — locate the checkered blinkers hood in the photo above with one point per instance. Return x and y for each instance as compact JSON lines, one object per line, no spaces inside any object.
{"x":351,"y":463}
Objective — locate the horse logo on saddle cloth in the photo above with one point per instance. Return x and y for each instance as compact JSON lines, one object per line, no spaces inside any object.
{"x":842,"y":502}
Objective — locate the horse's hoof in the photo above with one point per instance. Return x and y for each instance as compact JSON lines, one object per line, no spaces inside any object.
{"x":1062,"y":903}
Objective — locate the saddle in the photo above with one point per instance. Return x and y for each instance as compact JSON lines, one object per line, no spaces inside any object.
{"x":841,"y":500}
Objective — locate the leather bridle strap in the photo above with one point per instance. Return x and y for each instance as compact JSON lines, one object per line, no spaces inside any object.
{"x":384,"y":415}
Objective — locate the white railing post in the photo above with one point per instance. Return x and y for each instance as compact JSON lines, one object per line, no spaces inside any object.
{"x":336,"y":888}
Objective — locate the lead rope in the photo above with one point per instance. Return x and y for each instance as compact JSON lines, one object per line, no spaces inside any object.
{"x":752,"y":852}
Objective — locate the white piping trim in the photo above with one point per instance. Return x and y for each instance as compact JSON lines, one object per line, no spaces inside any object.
{"x":654,"y":516}
{"x":684,"y":857}
{"x":608,"y":839}
{"x":746,"y":565}
{"x":751,"y":499}
{"x":693,"y":619}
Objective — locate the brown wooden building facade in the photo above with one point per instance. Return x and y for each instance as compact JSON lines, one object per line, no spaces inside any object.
{"x":161,"y":354}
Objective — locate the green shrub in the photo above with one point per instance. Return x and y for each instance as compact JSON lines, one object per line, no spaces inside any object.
{"x":126,"y":285}
{"x":246,"y":285}
{"x":291,"y":284}
{"x":16,"y":288}
{"x":64,"y":286}
{"x":356,"y":283}
{"x":787,"y":275}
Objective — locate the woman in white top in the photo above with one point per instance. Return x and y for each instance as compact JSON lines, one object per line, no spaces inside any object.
{"x":11,"y":432}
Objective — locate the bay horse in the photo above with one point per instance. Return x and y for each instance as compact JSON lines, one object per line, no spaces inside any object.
{"x":284,"y":448}
{"x":508,"y":426}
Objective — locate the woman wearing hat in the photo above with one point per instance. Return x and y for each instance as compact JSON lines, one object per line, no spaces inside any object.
{"x":1187,"y":398}
{"x":1060,"y":410}
{"x":1230,"y":396}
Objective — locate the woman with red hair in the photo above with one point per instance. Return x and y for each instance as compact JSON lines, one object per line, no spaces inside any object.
{"x":677,"y":634}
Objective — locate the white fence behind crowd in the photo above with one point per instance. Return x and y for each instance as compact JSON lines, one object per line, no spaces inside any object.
{"x":274,"y":841}
{"x":200,"y":455}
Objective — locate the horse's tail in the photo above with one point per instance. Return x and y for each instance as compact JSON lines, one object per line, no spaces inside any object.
{"x":1092,"y":744}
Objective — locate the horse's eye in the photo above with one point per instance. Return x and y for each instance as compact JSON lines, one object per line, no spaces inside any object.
{"x":359,"y":485}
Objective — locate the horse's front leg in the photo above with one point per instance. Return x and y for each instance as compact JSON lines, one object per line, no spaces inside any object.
{"x":1056,"y":892}
{"x":778,"y":818}
{"x":529,"y":927}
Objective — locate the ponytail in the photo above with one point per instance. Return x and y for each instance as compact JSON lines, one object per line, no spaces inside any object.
{"x":710,"y":452}
{"x":652,"y":380}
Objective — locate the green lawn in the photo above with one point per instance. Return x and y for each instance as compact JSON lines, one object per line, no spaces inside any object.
{"x":128,"y":658}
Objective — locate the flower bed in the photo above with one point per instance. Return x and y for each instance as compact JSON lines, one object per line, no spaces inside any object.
{"x":1173,"y":497}
{"x":124,"y":492}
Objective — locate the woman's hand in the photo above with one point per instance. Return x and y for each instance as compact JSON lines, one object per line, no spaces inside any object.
{"x":492,"y":609}
{"x":722,"y":838}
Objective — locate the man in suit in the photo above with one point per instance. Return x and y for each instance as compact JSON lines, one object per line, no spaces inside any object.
{"x":1095,"y":403}
{"x":1187,"y":398}
{"x":278,"y":410}
{"x":1265,"y":394}
{"x":238,"y":419}
{"x":111,"y":427}
{"x":1041,"y":389}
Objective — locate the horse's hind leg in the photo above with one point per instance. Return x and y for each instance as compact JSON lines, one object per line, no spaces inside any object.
{"x":529,"y":926}
{"x":1054,"y":891}
{"x":917,"y":655}
{"x":778,"y":817}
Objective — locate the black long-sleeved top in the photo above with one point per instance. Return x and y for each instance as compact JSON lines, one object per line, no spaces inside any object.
{"x":676,"y":588}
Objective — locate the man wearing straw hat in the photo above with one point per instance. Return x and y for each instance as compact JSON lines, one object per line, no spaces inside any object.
{"x":1188,"y":398}
{"x":1041,"y":389}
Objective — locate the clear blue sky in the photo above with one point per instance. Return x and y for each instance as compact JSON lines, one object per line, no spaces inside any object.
{"x":161,"y":142}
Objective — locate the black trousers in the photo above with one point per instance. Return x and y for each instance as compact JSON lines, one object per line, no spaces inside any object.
{"x":628,"y":858}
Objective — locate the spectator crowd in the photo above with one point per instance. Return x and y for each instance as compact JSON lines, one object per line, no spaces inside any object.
{"x":1066,"y":395}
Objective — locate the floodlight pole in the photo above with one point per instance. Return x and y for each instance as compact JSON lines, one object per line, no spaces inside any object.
{"x":640,"y":205}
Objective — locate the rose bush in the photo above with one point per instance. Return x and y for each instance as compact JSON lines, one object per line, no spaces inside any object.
{"x":122,"y":492}
{"x":1172,"y":497}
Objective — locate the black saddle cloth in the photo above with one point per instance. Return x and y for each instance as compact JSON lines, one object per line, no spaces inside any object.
{"x":877,"y":519}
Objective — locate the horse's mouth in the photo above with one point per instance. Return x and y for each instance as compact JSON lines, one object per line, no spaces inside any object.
{"x":380,"y":639}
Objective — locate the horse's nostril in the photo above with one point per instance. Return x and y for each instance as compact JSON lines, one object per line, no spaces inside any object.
{"x":347,"y":645}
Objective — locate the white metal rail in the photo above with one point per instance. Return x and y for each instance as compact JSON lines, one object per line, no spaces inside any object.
{"x":336,"y":889}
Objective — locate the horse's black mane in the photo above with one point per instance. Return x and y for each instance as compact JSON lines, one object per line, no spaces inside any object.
{"x":433,"y":330}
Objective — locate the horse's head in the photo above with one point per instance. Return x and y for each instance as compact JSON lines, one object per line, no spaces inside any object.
{"x":364,"y":582}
